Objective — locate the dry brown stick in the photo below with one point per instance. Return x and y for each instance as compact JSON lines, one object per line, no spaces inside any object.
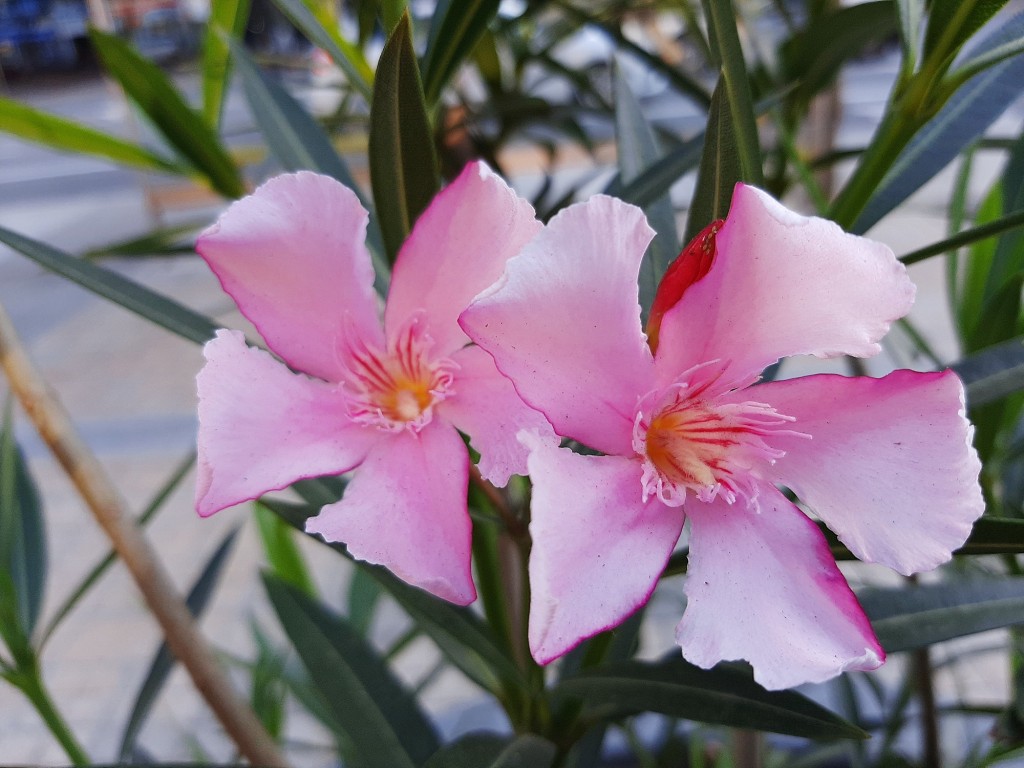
{"x":90,"y":479}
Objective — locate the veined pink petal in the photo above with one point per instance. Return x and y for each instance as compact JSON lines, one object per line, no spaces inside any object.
{"x":405,"y":509}
{"x":292,"y":256}
{"x":564,"y":324}
{"x":889,"y":468}
{"x":262,"y":427}
{"x":762,"y":586}
{"x":783,"y":284}
{"x":597,"y":548}
{"x":457,"y":248}
{"x":487,"y":408}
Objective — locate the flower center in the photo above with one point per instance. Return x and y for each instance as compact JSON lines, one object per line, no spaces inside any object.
{"x":397,"y":388}
{"x":698,"y":438}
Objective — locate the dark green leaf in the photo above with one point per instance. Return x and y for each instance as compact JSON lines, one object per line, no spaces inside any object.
{"x":637,"y":150}
{"x":967,"y":237}
{"x":166,"y":241}
{"x":916,"y":617}
{"x":134,"y":297}
{"x":990,"y":536}
{"x":364,"y":593}
{"x":952,"y":22}
{"x":56,"y":132}
{"x":286,"y":562}
{"x":227,"y":22}
{"x":719,"y":168}
{"x":722,"y":696}
{"x":963,"y":118}
{"x":403,"y":164}
{"x":656,"y":180}
{"x":164,"y":661}
{"x":993,"y":373}
{"x":185,"y":129}
{"x":814,"y":56}
{"x":321,"y":29}
{"x":736,"y":99}
{"x":484,"y":750}
{"x":376,"y":714}
{"x":456,"y":28}
{"x":22,"y":534}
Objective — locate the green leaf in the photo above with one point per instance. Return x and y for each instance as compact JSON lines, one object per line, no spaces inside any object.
{"x":364,"y":593}
{"x":813,"y":57}
{"x":952,"y":22}
{"x":227,"y":22}
{"x":322,"y":30}
{"x":286,"y":562}
{"x":995,"y":372}
{"x":403,"y":164}
{"x":56,"y":132}
{"x":134,"y":297}
{"x":736,"y":93}
{"x":375,"y":713}
{"x":967,"y":237}
{"x":456,"y":28}
{"x":185,"y":129}
{"x":719,"y":168}
{"x":637,"y":150}
{"x":917,"y":617}
{"x":22,"y":533}
{"x":165,"y":241}
{"x":164,"y":661}
{"x":458,"y":633}
{"x":656,"y":180}
{"x":722,"y":696}
{"x":299,"y":143}
{"x":910,"y":14}
{"x":484,"y":750}
{"x":963,"y":118}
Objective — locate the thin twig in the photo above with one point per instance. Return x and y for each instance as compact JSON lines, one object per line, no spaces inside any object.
{"x":90,"y":479}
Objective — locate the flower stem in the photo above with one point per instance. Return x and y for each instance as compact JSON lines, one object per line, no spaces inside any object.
{"x":29,"y":682}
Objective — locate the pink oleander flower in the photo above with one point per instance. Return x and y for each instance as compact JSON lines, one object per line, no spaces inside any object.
{"x":886,"y":463}
{"x":385,"y":398}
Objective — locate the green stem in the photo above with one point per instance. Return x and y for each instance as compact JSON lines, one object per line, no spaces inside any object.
{"x":29,"y":682}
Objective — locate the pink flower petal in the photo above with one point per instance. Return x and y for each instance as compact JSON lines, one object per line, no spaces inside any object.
{"x":457,"y":248}
{"x":597,"y":548}
{"x":487,"y":408}
{"x":889,"y":468}
{"x":405,"y":509}
{"x":762,"y":586}
{"x":564,"y":324}
{"x":262,"y":427}
{"x":783,"y":284}
{"x":292,"y":256}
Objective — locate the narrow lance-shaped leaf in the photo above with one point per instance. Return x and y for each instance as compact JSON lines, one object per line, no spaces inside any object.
{"x":282,"y":553}
{"x":456,"y":28}
{"x":182,"y":127}
{"x":403,"y":164}
{"x":317,"y":23}
{"x":227,"y":22}
{"x":484,"y":750}
{"x":56,"y":132}
{"x":916,"y":617}
{"x":22,"y":534}
{"x":952,"y":22}
{"x":377,"y":716}
{"x":911,"y":12}
{"x":637,"y":150}
{"x":719,"y":168}
{"x":723,"y":696}
{"x":737,"y":100}
{"x":162,"y":664}
{"x":963,"y":118}
{"x":134,"y":297}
